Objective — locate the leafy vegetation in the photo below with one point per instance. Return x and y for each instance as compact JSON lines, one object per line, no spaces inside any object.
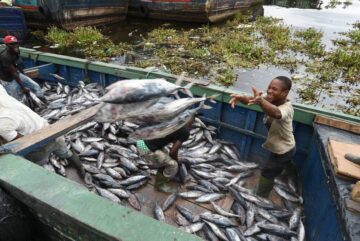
{"x":87,"y":41}
{"x":214,"y":52}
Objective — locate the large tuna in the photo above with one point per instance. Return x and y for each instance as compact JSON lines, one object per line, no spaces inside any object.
{"x":136,"y":90}
{"x":165,"y":128}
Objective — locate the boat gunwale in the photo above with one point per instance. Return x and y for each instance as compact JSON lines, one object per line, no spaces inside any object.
{"x":303,"y":113}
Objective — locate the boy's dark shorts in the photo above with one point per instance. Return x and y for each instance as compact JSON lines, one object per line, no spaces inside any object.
{"x":276,"y":164}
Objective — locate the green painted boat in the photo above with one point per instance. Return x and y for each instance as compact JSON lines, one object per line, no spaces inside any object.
{"x":67,"y":211}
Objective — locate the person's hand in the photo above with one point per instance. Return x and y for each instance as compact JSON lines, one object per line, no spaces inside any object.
{"x":44,"y":100}
{"x":25,"y":90}
{"x":257,"y":97}
{"x":234,"y":98}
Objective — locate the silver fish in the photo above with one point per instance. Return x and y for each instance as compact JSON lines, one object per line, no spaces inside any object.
{"x":106,"y":194}
{"x":169,"y":201}
{"x":193,"y":228}
{"x":159,"y":214}
{"x":209,"y":197}
{"x":190,"y":194}
{"x":135,"y":90}
{"x":218,"y":219}
{"x":221,"y":211}
{"x":121,"y":193}
{"x":217,"y":231}
{"x":163,"y":129}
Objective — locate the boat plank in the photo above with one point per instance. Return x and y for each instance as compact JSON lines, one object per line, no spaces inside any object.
{"x":31,"y":142}
{"x":337,"y":123}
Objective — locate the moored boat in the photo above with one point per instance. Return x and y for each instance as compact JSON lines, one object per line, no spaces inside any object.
{"x":78,"y":214}
{"x":69,"y":14}
{"x":12,"y":22}
{"x":202,"y":11}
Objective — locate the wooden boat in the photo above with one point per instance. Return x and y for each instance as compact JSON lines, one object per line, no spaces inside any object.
{"x":66,"y":209}
{"x":202,"y":11}
{"x":12,"y":22}
{"x":69,"y":14}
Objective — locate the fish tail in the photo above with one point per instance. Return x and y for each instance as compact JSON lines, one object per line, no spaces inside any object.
{"x":212,"y":98}
{"x":180,"y":79}
{"x":207,"y":107}
{"x":202,"y":105}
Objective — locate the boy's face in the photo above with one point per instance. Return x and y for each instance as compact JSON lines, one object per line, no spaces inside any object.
{"x":276,"y":91}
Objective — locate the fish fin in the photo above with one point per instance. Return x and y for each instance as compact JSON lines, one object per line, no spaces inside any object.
{"x":206,"y":107}
{"x":186,"y":89}
{"x":201,"y":105}
{"x":177,"y":96}
{"x":180,"y":79}
{"x":212,"y":98}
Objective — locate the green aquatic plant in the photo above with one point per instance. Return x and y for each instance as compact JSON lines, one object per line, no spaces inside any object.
{"x":277,"y":36}
{"x":215,"y":51}
{"x":346,"y":57}
{"x":87,"y":36}
{"x":87,"y":41}
{"x":310,"y":42}
{"x":58,"y":36}
{"x":38,"y":34}
{"x":333,"y":4}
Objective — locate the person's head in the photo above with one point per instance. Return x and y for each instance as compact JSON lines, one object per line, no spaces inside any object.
{"x":278,"y":89}
{"x":12,"y":44}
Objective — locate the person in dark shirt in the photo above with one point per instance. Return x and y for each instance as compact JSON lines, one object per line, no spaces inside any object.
{"x":12,"y":76}
{"x":168,"y":163}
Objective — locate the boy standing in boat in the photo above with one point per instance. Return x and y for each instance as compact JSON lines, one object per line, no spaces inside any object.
{"x":278,"y":119}
{"x":12,"y":76}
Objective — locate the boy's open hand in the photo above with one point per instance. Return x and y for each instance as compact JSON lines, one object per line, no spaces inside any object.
{"x":257,"y":97}
{"x":234,"y":98}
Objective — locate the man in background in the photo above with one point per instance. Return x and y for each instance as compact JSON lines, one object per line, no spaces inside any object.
{"x":12,"y":76}
{"x":17,"y":120}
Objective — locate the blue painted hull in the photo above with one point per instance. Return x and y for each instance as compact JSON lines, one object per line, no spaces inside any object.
{"x":12,"y":22}
{"x":242,"y":126}
{"x":70,"y":14}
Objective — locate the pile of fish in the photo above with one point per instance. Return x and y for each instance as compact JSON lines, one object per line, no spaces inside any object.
{"x":32,"y":101}
{"x":145,"y":102}
{"x":212,"y":170}
{"x":64,"y":101}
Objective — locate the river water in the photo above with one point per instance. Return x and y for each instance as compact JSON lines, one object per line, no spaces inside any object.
{"x":299,"y":14}
{"x":330,"y":21}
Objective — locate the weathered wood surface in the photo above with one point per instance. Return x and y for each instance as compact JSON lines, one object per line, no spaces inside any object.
{"x":33,"y":73}
{"x":352,"y":205}
{"x":342,"y":166}
{"x":355,"y":193}
{"x":31,"y":142}
{"x":337,"y":123}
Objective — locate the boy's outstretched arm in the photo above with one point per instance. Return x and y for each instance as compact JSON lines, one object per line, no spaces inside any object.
{"x":268,"y":108}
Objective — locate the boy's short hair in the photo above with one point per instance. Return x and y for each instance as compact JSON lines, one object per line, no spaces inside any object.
{"x":286,"y":82}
